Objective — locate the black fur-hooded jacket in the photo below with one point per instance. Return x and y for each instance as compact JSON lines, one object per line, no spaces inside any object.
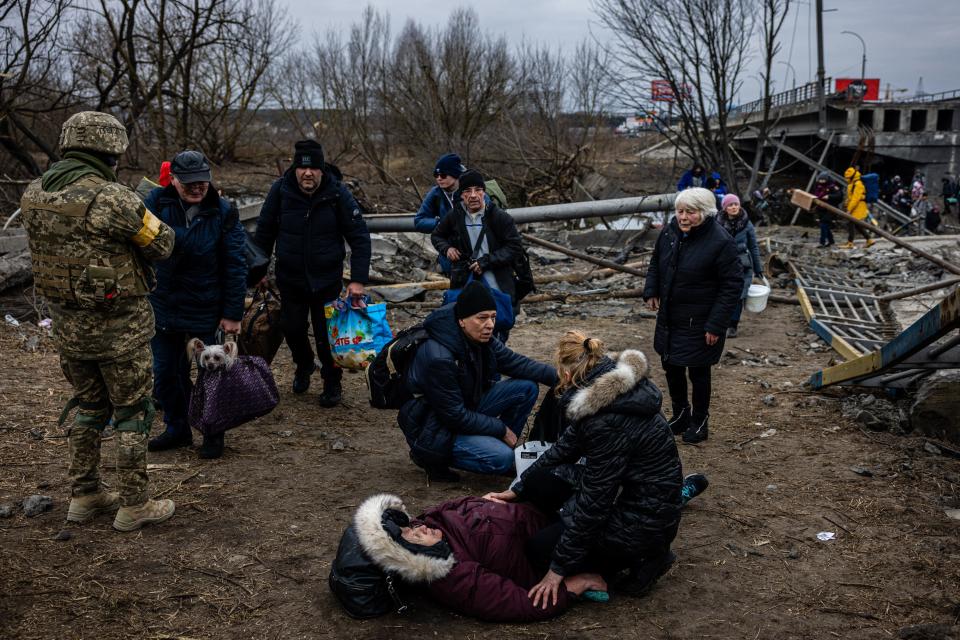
{"x":628,"y":495}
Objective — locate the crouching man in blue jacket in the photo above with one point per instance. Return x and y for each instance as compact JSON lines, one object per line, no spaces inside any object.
{"x":460,"y":415}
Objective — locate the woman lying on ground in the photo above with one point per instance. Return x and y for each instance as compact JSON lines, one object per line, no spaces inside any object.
{"x":621,"y":507}
{"x":470,"y":555}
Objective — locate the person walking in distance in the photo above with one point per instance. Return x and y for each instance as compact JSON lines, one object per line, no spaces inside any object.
{"x":91,"y":244}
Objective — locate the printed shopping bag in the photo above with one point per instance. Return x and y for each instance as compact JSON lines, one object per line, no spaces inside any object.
{"x":356,"y":336}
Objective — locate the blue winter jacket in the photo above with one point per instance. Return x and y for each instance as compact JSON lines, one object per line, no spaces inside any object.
{"x":309,"y":231}
{"x":204,"y":279}
{"x":449,"y":377}
{"x":434,"y":207}
{"x":688,"y":180}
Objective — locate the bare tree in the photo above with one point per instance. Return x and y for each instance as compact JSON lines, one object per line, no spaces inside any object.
{"x":448,"y":87}
{"x":352,"y":78}
{"x":547,"y":135}
{"x":774,"y":15}
{"x":699,"y":50}
{"x":230,"y":76}
{"x":33,"y":83}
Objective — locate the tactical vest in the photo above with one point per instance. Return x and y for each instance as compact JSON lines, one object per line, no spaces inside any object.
{"x":73,"y":266}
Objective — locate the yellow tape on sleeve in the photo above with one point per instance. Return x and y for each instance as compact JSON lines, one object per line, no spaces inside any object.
{"x":149,"y":230}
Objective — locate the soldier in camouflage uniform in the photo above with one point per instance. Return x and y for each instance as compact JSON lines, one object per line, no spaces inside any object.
{"x":91,"y":243}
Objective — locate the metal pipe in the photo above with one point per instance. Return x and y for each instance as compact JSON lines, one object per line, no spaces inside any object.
{"x":11,"y":219}
{"x":584,"y":256}
{"x":570,"y":211}
{"x":906,"y":293}
{"x":807,"y":201}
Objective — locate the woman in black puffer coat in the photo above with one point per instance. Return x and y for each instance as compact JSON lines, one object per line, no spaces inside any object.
{"x":625,"y":508}
{"x":694,"y":283}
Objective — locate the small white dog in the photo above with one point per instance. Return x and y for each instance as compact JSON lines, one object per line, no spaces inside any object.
{"x":214,"y":356}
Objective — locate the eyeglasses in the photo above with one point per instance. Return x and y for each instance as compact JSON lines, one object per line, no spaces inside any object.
{"x":194,"y":186}
{"x":442,"y":176}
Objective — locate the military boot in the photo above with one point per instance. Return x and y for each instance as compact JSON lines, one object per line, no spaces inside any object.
{"x":85,"y":508}
{"x":150,"y":512}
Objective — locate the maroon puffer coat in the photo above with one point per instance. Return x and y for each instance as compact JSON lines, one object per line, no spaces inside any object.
{"x":492,"y":575}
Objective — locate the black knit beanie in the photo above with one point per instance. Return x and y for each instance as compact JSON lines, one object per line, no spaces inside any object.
{"x":308,"y":153}
{"x":471,"y":178}
{"x":474,"y":298}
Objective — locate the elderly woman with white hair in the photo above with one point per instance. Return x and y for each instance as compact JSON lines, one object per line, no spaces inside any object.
{"x":693,"y":283}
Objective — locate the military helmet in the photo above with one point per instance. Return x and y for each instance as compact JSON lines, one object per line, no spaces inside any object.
{"x":94,"y":131}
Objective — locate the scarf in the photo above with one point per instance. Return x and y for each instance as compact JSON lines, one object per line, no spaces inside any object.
{"x":734,"y":225}
{"x":75,"y":165}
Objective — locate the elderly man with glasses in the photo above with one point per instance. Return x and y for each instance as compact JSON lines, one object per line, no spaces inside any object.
{"x":200,"y":288}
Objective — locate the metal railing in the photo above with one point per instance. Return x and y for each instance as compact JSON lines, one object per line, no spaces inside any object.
{"x":798,"y":95}
{"x":930,"y":97}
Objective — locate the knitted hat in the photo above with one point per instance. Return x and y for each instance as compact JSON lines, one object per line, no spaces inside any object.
{"x":471,"y":178}
{"x":474,"y":298}
{"x":308,"y":153}
{"x":449,"y":165}
{"x":728,"y":200}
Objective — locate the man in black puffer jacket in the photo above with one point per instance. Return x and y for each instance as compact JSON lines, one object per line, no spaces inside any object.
{"x":460,"y":415}
{"x":308,"y":214}
{"x":694,"y":282}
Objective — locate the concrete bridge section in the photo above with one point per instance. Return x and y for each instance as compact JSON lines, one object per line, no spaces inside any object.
{"x":924,"y":132}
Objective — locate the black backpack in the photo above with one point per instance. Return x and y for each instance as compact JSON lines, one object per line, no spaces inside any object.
{"x":363,"y":589}
{"x":524,"y":284}
{"x":386,"y":375}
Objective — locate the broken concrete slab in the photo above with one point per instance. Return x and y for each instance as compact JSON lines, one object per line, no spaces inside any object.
{"x":934,"y":412}
{"x":400,"y":294}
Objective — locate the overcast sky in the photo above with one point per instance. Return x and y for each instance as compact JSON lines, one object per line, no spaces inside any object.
{"x":905,"y":39}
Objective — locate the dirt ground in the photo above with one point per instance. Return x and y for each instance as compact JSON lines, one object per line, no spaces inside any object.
{"x":248,"y":552}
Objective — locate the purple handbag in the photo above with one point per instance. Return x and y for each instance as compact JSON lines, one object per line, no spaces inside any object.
{"x":224,"y":399}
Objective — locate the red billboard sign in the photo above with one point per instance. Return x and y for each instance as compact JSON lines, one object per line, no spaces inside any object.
{"x":869,"y":90}
{"x":661,"y":91}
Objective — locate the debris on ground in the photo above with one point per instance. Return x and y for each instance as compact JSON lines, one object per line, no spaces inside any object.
{"x":36,"y":504}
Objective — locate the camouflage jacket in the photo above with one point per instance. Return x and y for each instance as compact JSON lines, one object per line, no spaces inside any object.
{"x":91,"y":245}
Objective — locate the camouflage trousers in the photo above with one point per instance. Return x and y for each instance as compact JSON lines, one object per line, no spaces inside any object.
{"x":103,"y":388}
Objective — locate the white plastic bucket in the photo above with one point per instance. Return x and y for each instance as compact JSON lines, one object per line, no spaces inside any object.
{"x":526,"y":454}
{"x":757,"y":296}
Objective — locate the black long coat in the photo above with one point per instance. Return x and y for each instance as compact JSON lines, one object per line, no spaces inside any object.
{"x":698,"y":278}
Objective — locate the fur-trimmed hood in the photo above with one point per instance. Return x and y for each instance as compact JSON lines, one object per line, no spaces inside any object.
{"x":619,"y":390}
{"x":384,"y":550}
